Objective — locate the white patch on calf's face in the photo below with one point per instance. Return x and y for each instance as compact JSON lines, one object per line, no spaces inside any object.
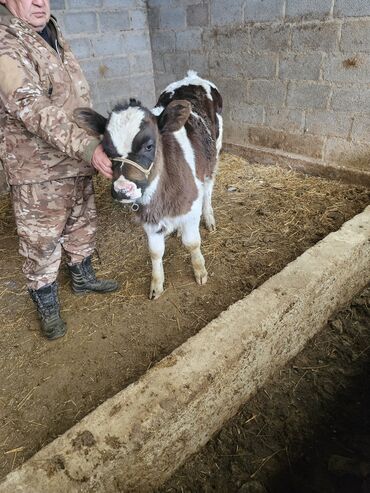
{"x":123,"y":126}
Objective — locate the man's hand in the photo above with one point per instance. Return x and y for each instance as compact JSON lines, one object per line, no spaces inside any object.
{"x":101,"y":162}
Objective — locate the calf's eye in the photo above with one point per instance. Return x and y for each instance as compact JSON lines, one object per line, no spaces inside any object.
{"x":149,"y":147}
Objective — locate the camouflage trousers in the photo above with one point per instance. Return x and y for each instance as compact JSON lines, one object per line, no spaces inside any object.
{"x":51,"y":216}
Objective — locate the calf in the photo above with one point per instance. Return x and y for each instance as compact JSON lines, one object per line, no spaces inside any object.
{"x":164,"y":163}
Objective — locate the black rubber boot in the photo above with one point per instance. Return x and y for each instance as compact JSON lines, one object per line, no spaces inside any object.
{"x":84,"y":279}
{"x":46,"y":300}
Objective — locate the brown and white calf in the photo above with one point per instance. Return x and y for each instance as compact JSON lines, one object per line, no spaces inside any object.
{"x":164,"y":162}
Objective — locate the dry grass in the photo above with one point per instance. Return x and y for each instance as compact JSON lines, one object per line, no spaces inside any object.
{"x":265,"y":217}
{"x":241,"y":193}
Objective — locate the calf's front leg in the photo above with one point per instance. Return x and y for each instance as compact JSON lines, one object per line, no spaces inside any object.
{"x":191,"y":240}
{"x":156,"y":247}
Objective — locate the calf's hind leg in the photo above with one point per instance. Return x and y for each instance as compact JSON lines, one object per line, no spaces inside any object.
{"x":191,"y":240}
{"x":208,"y":216}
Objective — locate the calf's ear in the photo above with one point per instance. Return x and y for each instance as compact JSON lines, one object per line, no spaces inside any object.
{"x":90,"y":120}
{"x":174,"y":116}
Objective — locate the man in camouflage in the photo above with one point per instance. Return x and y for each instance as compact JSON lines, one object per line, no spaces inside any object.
{"x":48,"y":160}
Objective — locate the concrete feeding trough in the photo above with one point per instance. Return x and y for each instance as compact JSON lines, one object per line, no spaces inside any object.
{"x":135,"y":440}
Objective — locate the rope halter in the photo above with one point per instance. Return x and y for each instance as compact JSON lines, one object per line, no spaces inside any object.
{"x":124,"y":160}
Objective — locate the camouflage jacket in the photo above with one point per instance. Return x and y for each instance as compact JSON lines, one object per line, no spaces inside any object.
{"x":39,"y":89}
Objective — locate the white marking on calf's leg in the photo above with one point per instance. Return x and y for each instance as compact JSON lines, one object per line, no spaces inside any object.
{"x":191,"y":240}
{"x":156,"y":248}
{"x":209,"y":218}
{"x":208,"y":215}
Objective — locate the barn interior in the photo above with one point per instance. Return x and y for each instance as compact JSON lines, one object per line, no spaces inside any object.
{"x":295,"y":168}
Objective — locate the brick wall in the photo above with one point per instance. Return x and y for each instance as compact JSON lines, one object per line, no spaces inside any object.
{"x":295,"y":75}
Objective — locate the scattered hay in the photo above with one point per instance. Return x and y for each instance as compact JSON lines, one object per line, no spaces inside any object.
{"x":265,"y":217}
{"x":246,"y":225}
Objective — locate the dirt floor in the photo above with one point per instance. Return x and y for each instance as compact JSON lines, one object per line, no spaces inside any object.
{"x":266,"y":217}
{"x":306,"y":431}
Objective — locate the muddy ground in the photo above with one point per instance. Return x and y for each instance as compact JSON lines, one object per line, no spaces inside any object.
{"x":266,"y":217}
{"x":306,"y":431}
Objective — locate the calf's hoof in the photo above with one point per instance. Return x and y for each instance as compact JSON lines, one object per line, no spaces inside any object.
{"x":155,"y":291}
{"x":210,"y":223}
{"x":201,"y":277}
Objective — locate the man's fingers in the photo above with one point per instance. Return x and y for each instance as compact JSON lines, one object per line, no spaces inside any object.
{"x":102,"y":163}
{"x":105,"y":172}
{"x":106,"y":165}
{"x":104,"y":169}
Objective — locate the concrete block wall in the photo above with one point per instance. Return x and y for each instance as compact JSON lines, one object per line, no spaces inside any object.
{"x":295,"y":75}
{"x":111,"y":40}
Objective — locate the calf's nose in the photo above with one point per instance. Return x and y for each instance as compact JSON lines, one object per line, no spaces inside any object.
{"x":123,"y":185}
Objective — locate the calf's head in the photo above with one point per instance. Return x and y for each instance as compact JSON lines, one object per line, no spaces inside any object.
{"x":131,"y":139}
